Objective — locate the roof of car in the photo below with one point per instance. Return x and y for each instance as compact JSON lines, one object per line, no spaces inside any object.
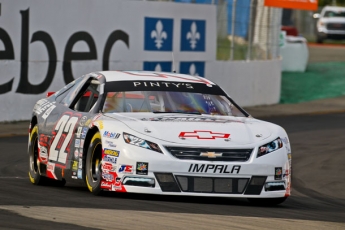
{"x":151,"y":76}
{"x":334,"y":8}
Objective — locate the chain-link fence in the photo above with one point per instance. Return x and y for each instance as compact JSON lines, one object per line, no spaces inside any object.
{"x":246,"y":29}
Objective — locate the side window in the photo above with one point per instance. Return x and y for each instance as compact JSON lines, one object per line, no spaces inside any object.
{"x":88,"y":98}
{"x":72,"y":92}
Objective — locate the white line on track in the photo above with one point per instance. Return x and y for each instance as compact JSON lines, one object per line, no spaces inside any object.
{"x":13,"y":177}
{"x":131,"y":219}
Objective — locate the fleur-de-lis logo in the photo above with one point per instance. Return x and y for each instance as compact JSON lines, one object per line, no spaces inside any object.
{"x":159,"y":34}
{"x":193,"y":35}
{"x":192,"y":70}
{"x":158,"y":68}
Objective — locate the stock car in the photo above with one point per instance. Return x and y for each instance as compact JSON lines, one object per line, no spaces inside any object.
{"x":157,"y":133}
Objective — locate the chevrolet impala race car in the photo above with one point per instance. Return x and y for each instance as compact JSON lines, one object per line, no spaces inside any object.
{"x":157,"y":133}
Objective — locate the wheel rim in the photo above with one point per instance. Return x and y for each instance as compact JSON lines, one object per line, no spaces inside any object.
{"x":34,"y":156}
{"x":96,"y":159}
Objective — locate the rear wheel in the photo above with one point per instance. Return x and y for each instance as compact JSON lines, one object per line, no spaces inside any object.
{"x":267,"y":201}
{"x":34,"y":174}
{"x":93,"y":165}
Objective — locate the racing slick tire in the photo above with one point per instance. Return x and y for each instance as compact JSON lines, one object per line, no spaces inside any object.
{"x":267,"y":201}
{"x":34,"y":174}
{"x":93,"y":171}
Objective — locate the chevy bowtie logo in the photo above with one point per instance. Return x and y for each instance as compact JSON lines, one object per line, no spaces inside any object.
{"x":203,"y":135}
{"x":211,"y":154}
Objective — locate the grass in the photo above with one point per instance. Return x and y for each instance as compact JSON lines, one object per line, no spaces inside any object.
{"x":321,"y":80}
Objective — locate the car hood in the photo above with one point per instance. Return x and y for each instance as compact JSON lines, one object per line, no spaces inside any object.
{"x":196,"y":129}
{"x":333,"y":20}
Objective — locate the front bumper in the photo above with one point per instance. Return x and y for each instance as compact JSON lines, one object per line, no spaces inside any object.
{"x":168,"y":175}
{"x":331,"y":34}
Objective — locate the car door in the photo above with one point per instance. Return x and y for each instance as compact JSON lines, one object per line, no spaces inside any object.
{"x":65,"y":127}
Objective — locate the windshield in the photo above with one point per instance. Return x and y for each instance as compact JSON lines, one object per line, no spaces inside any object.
{"x":331,"y":14}
{"x":169,"y":102}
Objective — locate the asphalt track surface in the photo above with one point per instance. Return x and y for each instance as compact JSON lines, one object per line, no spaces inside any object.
{"x":318,"y":200}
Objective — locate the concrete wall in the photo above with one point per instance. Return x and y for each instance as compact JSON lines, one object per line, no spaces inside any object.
{"x":248,"y":83}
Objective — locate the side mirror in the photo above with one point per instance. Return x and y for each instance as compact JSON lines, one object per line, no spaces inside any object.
{"x":49,"y":94}
{"x":316,"y":16}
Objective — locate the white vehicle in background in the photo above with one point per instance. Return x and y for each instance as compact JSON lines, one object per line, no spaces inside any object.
{"x":157,"y":133}
{"x":330,"y":23}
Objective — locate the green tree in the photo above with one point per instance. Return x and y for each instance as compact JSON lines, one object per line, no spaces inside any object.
{"x":331,"y":2}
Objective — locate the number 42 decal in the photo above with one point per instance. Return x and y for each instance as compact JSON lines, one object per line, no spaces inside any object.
{"x":65,"y":128}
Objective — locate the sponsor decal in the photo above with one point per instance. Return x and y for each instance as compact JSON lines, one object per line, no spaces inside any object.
{"x":48,"y":111}
{"x":126,"y":169}
{"x":189,"y":119}
{"x":211,"y":154}
{"x":77,"y":143}
{"x":83,"y":134}
{"x":43,"y":154}
{"x":203,"y":135}
{"x":111,"y":135}
{"x":278,"y":173}
{"x":108,"y":177}
{"x":80,"y":165}
{"x":108,"y":167}
{"x":51,"y":170}
{"x":157,"y":84}
{"x":44,"y":140}
{"x":142,"y":168}
{"x":82,"y":143}
{"x":112,"y":152}
{"x":110,"y":159}
{"x":82,"y":121}
{"x":50,"y":167}
{"x":117,"y":185}
{"x":75,"y":166}
{"x":76,"y":153}
{"x":110,"y":143}
{"x":80,"y":153}
{"x":286,"y":173}
{"x":74,"y":175}
{"x":80,"y":174}
{"x":79,"y":132}
{"x":212,"y":168}
{"x":42,"y":106}
{"x":105,"y":185}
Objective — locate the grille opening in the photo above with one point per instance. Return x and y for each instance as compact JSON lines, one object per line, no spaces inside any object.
{"x":255,"y":185}
{"x":212,"y":184}
{"x":167,"y":182}
{"x":208,"y":154}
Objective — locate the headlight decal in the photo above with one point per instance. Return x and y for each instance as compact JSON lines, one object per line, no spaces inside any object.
{"x":270,"y":147}
{"x":133,"y":140}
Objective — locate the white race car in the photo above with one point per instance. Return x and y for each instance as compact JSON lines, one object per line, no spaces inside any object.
{"x":157,"y":133}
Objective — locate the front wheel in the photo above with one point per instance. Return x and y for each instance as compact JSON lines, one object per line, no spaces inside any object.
{"x":93,"y":171}
{"x":267,"y":201}
{"x":34,"y":174}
